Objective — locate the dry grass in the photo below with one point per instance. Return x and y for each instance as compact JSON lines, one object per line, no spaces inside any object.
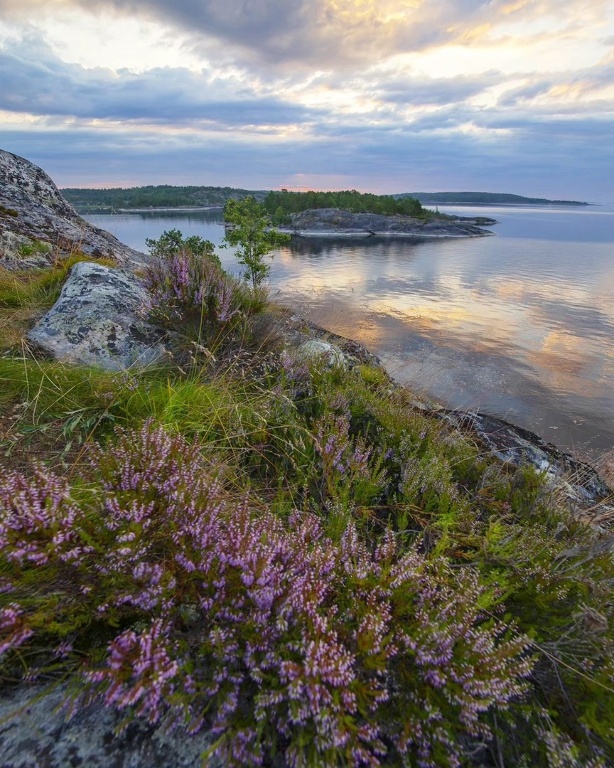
{"x":15,"y":323}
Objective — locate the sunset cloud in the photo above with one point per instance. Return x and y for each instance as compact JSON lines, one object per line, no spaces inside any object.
{"x":389,"y":95}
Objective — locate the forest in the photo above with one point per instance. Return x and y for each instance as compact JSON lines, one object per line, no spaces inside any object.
{"x":162,"y":196}
{"x":280,"y":205}
{"x":484,"y":198}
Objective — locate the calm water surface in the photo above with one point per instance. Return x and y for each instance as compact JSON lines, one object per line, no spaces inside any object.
{"x":519,"y":325}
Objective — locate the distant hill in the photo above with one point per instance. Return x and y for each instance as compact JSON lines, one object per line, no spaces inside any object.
{"x":484,"y":198}
{"x":162,"y":196}
{"x":168,"y":196}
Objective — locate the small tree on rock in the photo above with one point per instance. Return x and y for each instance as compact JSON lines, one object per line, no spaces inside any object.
{"x":248,"y":229}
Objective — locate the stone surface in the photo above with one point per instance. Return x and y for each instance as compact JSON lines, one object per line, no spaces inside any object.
{"x":316,"y":349}
{"x":33,"y":212}
{"x":35,"y":733}
{"x":517,"y":446}
{"x":99,"y":320}
{"x":335,"y":222}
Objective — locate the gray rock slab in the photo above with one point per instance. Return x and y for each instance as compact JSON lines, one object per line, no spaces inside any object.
{"x":99,"y":320}
{"x":35,"y":733}
{"x":514,"y":445}
{"x":32,"y":211}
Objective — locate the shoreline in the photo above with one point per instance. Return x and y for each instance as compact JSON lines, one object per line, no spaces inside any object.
{"x":363,"y":234}
{"x":179,"y":209}
{"x":579,"y":479}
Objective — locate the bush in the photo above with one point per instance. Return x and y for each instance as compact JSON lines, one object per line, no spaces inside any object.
{"x":172,"y":242}
{"x":191,"y":294}
{"x":178,"y":603}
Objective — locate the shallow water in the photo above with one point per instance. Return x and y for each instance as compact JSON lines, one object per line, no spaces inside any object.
{"x":520,"y":325}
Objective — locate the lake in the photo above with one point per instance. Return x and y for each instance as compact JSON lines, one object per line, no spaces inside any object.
{"x":519,"y":325}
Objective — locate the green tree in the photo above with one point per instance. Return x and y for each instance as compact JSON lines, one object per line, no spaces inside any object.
{"x":172,"y":241}
{"x":248,"y":229}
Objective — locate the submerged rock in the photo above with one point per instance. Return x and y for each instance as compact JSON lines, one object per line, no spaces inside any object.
{"x":35,"y":219}
{"x":99,"y":320}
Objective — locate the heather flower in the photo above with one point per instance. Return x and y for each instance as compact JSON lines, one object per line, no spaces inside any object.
{"x":13,"y":627}
{"x":183,"y":283}
{"x":276,"y":636}
{"x":350,"y":472}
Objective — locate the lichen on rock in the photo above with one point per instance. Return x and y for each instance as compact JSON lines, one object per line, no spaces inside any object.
{"x":32,"y":211}
{"x":99,"y":320}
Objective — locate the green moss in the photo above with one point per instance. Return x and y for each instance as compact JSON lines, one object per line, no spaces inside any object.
{"x":35,"y":247}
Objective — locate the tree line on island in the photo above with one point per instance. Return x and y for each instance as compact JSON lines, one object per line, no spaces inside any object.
{"x":281,"y":204}
{"x":162,"y":196}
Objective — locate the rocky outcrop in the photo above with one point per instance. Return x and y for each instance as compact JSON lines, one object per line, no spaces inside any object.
{"x":36,"y":733}
{"x":99,"y":320}
{"x":514,"y":445}
{"x":587,"y":493}
{"x":35,"y":220}
{"x":325,"y":222}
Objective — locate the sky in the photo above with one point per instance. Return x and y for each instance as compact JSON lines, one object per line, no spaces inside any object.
{"x":377,"y":95}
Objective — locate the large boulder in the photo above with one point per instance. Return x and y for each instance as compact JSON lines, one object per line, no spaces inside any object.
{"x":99,"y":320}
{"x":34,"y":217}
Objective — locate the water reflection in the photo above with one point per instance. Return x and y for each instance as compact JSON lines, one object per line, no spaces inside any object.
{"x":520,"y":325}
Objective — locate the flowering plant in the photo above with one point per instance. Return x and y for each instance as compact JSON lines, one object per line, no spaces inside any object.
{"x":179,"y":603}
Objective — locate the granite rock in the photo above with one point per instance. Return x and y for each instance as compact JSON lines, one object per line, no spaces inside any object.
{"x":99,"y":319}
{"x":323,"y":222}
{"x":35,"y":219}
{"x":36,"y":733}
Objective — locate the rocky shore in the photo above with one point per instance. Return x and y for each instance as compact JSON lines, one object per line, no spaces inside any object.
{"x":334,"y":222}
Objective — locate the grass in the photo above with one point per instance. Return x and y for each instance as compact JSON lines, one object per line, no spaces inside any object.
{"x":25,"y":295}
{"x":346,"y":447}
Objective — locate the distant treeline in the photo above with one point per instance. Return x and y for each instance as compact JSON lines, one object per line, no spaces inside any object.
{"x":280,"y":205}
{"x":483,"y":198}
{"x":164,"y":196}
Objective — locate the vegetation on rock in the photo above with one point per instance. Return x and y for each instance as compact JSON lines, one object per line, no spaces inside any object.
{"x":281,"y":204}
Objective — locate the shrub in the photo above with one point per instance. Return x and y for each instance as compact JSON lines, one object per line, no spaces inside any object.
{"x":172,"y":242}
{"x":180,"y":603}
{"x":192,"y":294}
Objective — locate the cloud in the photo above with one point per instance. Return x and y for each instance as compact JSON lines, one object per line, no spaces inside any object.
{"x":37,"y":82}
{"x":315,"y":33}
{"x":553,"y":159}
{"x":415,"y":90}
{"x":314,"y":93}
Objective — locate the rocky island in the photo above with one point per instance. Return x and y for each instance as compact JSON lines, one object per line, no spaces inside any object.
{"x":228,"y":538}
{"x":334,"y":222}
